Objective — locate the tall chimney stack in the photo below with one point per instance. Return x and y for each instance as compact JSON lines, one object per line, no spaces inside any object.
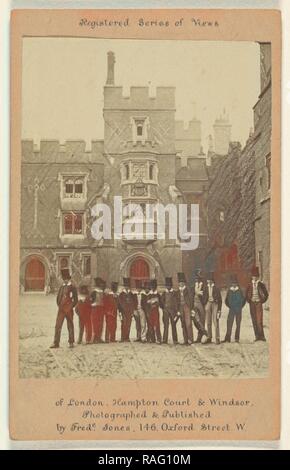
{"x":111,"y":66}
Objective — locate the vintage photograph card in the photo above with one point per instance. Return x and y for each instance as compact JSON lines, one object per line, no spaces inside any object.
{"x":145,"y":225}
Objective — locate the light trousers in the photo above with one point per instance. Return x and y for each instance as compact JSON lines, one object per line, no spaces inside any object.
{"x":211,"y":310}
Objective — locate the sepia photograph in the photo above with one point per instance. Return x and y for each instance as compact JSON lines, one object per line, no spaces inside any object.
{"x":145,"y":209}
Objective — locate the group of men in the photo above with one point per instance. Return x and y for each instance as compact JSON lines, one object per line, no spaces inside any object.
{"x":199,"y":305}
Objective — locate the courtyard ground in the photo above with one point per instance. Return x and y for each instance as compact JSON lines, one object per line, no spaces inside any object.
{"x":131,"y":360}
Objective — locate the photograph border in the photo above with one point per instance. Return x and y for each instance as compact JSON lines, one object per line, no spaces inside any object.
{"x":233,"y":22}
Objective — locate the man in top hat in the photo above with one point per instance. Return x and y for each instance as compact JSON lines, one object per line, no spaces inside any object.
{"x":198,"y":306}
{"x":235,"y":301}
{"x":97,"y":301}
{"x":154,"y":302}
{"x":83,"y":309}
{"x":170,"y":308}
{"x":146,"y":307}
{"x":140,"y":317}
{"x":66,"y":300}
{"x":184,"y":306}
{"x":111,"y":303}
{"x":212,"y":301}
{"x":128,"y":305}
{"x":257,"y":295}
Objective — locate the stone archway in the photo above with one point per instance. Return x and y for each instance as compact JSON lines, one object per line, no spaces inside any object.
{"x":138,"y":264}
{"x":27,"y":270}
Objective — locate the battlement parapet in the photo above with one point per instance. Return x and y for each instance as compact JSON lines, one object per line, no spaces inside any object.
{"x":139,"y":98}
{"x":71,"y":151}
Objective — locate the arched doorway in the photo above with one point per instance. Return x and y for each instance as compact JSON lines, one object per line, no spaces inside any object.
{"x":140,"y":270}
{"x":34,"y":275}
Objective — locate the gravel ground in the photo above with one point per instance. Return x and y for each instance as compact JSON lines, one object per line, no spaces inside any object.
{"x":131,"y":360}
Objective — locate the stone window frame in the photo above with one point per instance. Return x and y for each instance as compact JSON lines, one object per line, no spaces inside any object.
{"x":136,"y":124}
{"x":68,"y":236}
{"x":221,"y":213}
{"x":84,"y":256}
{"x":60,"y":255}
{"x":74,"y":176}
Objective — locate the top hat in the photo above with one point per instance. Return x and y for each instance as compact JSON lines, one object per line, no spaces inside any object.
{"x":114,"y":286}
{"x":168,"y":282}
{"x":181,"y":277}
{"x":84,"y":290}
{"x":65,"y":274}
{"x":138,"y":284}
{"x":126,"y":281}
{"x":99,"y":282}
{"x":147,"y":285}
{"x":255,"y":271}
{"x":210,"y":276}
{"x":233,"y":279}
{"x":197,"y":273}
{"x":153,"y":283}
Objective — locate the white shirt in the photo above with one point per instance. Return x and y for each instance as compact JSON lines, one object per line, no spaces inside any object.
{"x":210,"y":291}
{"x":139,"y":294}
{"x":255,"y":297}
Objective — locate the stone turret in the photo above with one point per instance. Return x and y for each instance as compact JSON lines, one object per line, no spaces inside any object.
{"x":222,"y":134}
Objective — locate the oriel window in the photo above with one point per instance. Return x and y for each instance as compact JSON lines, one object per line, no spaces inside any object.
{"x":74,"y":187}
{"x":127,"y":172}
{"x":78,"y":188}
{"x":69,"y":188}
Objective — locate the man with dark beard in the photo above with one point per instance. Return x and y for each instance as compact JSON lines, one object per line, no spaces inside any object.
{"x":198,"y":315}
{"x":111,"y":309}
{"x":67,"y":298}
{"x":212,"y":301}
{"x":128,"y":305}
{"x":154,"y":302}
{"x":169,"y":305}
{"x":256,"y":296}
{"x":97,"y":312}
{"x":184,"y":306}
{"x":140,"y":317}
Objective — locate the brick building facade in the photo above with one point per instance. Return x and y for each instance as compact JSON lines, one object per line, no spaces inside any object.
{"x":262,"y":151}
{"x":61,"y":184}
{"x":146,"y":157}
{"x":239,"y":195}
